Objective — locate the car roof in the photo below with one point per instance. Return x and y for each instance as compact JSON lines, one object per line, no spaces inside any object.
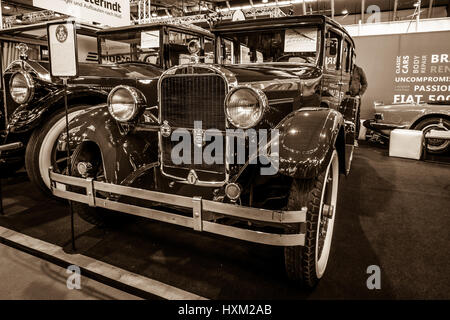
{"x":269,"y":23}
{"x":37,"y":33}
{"x":156,"y":25}
{"x":85,"y":27}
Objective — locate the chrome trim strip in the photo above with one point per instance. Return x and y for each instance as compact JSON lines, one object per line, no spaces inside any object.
{"x":255,"y":236}
{"x":281,"y":101}
{"x":197,"y":204}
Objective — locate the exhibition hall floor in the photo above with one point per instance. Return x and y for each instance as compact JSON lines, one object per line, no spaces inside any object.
{"x":393,"y":213}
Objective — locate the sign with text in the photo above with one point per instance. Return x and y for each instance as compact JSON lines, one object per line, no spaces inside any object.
{"x":422,"y":77}
{"x":114,"y":13}
{"x":62,"y":44}
{"x":300,"y":40}
{"x":150,"y":39}
{"x":404,"y":68}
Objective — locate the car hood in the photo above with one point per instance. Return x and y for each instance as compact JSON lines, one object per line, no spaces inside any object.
{"x":138,"y":71}
{"x":87,"y":71}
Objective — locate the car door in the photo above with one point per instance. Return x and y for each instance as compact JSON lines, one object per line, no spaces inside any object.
{"x":332,"y":75}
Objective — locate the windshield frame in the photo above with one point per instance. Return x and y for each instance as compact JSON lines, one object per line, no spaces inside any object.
{"x":108,"y":35}
{"x":163,"y":42}
{"x":222,"y":35}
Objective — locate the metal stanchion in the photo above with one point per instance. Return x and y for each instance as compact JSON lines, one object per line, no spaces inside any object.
{"x":69,"y":161}
{"x":2,"y":162}
{"x":63,"y":56}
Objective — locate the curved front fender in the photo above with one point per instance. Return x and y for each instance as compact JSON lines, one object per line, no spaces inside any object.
{"x":29,"y":116}
{"x":307,"y":138}
{"x":122,"y":153}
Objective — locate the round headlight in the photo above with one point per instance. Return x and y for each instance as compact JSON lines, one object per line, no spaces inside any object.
{"x":21,"y":87}
{"x":194,"y":46}
{"x":124,"y":103}
{"x":245,"y":107}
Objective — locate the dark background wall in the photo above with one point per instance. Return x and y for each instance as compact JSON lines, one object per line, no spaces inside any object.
{"x":377,"y":55}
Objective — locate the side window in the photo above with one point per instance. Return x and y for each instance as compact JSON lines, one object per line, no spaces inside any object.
{"x":227,"y":52}
{"x":333,"y":51}
{"x":347,"y":56}
{"x":209,"y":50}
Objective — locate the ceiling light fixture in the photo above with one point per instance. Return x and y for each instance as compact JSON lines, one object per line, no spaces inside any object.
{"x":345,"y":11}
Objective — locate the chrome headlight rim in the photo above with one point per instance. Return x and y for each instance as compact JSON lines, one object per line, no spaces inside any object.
{"x":30,"y":85}
{"x":263,"y":105}
{"x":139,"y":102}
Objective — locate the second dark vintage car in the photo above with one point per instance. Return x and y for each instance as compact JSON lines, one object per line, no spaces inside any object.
{"x":251,"y":147}
{"x":433,"y":115}
{"x":133,"y":55}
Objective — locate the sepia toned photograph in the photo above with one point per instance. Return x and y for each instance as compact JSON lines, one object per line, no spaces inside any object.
{"x":229,"y":159}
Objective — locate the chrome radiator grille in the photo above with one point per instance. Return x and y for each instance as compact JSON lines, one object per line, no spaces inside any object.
{"x":185,"y":99}
{"x":189,"y":98}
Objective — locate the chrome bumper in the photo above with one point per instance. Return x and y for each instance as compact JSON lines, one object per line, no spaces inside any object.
{"x":199,"y":206}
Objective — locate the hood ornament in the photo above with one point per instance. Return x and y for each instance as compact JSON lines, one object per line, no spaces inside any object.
{"x":192,"y":177}
{"x":23,"y":51}
{"x":166,"y":130}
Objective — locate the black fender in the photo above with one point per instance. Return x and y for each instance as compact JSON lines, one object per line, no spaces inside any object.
{"x":28,"y":117}
{"x":123,"y":153}
{"x":307,"y":138}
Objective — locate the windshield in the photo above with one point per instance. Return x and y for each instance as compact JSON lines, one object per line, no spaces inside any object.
{"x":130,"y":46}
{"x":300,"y":45}
{"x":145,"y":46}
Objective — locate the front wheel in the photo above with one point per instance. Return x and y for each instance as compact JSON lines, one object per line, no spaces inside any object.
{"x":42,"y":151}
{"x":307,"y":263}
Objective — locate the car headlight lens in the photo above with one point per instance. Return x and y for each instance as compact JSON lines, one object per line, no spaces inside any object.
{"x":245,"y":106}
{"x":124,"y":103}
{"x":21,"y":87}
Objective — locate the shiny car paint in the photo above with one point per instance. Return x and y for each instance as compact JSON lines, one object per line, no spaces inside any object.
{"x":406,"y":116}
{"x":91,"y":87}
{"x":298,"y":106}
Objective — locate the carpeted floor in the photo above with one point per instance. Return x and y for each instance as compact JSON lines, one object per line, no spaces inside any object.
{"x":393,"y":213}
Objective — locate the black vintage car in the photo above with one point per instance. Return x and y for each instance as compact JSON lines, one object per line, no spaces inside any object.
{"x":250,"y":147}
{"x":132,"y":55}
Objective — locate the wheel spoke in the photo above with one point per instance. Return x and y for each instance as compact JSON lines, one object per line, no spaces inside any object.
{"x":61,"y":160}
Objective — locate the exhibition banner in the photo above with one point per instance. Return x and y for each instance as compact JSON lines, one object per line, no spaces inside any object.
{"x":421,"y":77}
{"x":113,"y":13}
{"x":404,"y":68}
